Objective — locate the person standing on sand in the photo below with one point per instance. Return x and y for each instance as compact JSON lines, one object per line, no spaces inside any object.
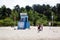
{"x":40,"y":27}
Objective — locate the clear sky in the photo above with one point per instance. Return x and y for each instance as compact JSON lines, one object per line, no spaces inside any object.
{"x":23,"y":3}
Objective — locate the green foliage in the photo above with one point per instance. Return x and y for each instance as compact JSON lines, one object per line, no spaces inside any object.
{"x":4,"y":12}
{"x":56,"y":23}
{"x":7,"y":21}
{"x":1,"y":22}
{"x":31,"y":23}
{"x":37,"y":14}
{"x":41,"y":21}
{"x":23,"y":10}
{"x":33,"y":16}
{"x":14,"y":15}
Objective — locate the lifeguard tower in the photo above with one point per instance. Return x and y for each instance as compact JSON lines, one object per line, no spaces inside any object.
{"x":23,"y":23}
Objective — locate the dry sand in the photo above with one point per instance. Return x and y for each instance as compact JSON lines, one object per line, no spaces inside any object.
{"x":8,"y":33}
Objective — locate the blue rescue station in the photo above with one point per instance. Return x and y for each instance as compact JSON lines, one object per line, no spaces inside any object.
{"x":23,"y":22}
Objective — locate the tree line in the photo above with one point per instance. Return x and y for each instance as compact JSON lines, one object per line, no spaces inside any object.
{"x":38,"y":14}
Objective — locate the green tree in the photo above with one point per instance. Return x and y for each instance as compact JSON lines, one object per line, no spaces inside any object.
{"x":28,"y":8}
{"x":17,"y":8}
{"x":33,"y":16}
{"x":3,"y":13}
{"x":8,"y":11}
{"x":58,"y":12}
{"x":23,"y":10}
{"x":14,"y":15}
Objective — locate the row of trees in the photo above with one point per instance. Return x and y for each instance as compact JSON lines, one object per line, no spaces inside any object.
{"x":37,"y":14}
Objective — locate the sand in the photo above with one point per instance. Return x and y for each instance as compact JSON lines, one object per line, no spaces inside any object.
{"x":48,"y":33}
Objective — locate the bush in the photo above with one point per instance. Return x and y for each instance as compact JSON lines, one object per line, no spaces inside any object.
{"x":44,"y":22}
{"x":56,"y":23}
{"x":1,"y":22}
{"x":31,"y":23}
{"x":7,"y":21}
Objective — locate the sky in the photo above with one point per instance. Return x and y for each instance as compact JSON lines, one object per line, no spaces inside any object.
{"x":23,"y":3}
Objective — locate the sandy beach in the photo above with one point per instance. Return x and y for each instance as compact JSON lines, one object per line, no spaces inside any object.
{"x":48,"y":33}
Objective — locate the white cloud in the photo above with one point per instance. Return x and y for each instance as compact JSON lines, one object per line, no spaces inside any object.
{"x":23,"y":3}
